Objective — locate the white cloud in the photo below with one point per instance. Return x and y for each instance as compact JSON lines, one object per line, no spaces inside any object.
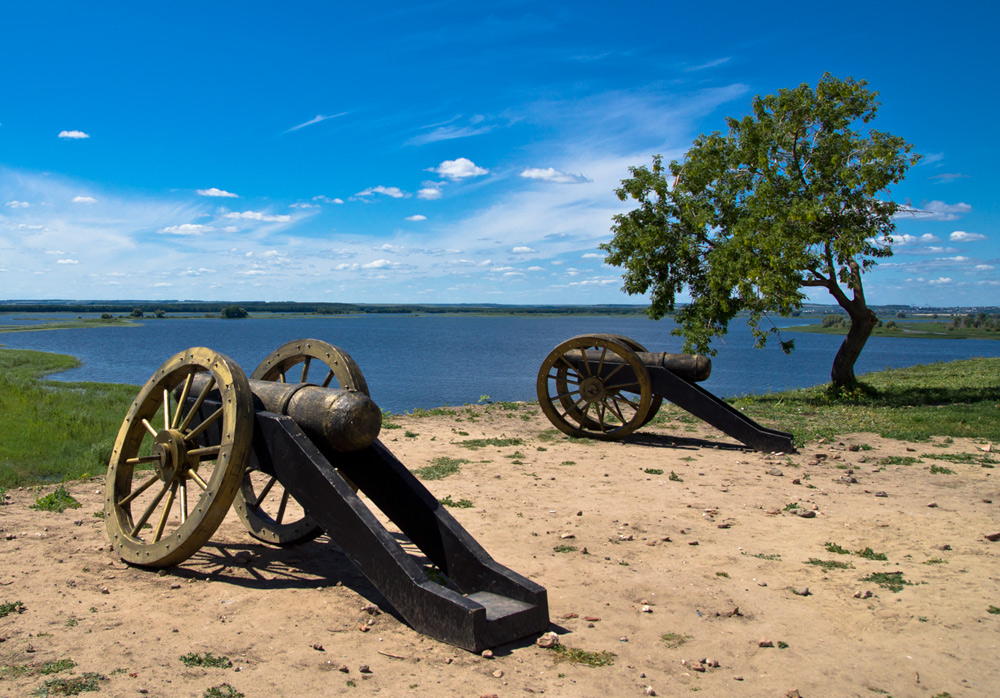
{"x":84,"y":200}
{"x":387,"y":247}
{"x":393,"y":192}
{"x":346,"y":267}
{"x":429,"y":193}
{"x":185,"y":229}
{"x":936,"y":211}
{"x":447,"y":133}
{"x":710,"y":64}
{"x":499,"y":269}
{"x":984,"y":267}
{"x":231,"y":229}
{"x":217,"y":192}
{"x":328,"y":200}
{"x":962,"y":236}
{"x":941,"y":280}
{"x":417,"y":217}
{"x":550,"y":174}
{"x":18,"y":204}
{"x":592,"y":255}
{"x":25,"y":226}
{"x":381,"y":264}
{"x":257,"y":216}
{"x":67,"y":261}
{"x":73,"y":135}
{"x":315,"y":120}
{"x":459,"y":169}
{"x":302,"y":205}
{"x":522,"y":250}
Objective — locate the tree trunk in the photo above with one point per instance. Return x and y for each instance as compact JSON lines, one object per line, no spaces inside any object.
{"x":863,"y":322}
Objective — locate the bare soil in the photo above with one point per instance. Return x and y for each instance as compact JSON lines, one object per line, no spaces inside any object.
{"x":682,"y":554}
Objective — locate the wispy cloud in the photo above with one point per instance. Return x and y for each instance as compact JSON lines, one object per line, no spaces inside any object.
{"x":392,"y":192}
{"x":17,"y":204}
{"x":73,"y":135}
{"x":319,"y":118}
{"x":550,"y":174}
{"x":258,"y":216}
{"x":459,"y":169}
{"x":327,"y":199}
{"x":217,"y":192}
{"x":429,"y":193}
{"x":186,"y":229}
{"x":936,"y":211}
{"x":84,"y":200}
{"x":447,"y":133}
{"x":949,"y":176}
{"x":710,"y":64}
{"x":962,"y":236}
{"x":416,"y":217}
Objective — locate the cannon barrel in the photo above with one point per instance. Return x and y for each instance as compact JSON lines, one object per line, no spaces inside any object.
{"x":347,"y":420}
{"x":691,"y":367}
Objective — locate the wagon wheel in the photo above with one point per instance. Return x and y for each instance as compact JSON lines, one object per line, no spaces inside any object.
{"x":595,"y":386}
{"x":266,"y":508}
{"x":175,"y":468}
{"x":654,"y":404}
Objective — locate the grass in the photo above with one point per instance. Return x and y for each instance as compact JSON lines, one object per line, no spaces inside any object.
{"x":564,"y":548}
{"x":834,"y":548}
{"x":72,"y":686}
{"x":460,"y":504}
{"x":206,"y":660}
{"x":440,"y":468}
{"x":954,"y":399}
{"x":475,"y":444}
{"x":940,"y":469}
{"x":993,"y":610}
{"x":578,"y":656}
{"x":899,"y":460}
{"x":9,"y":607}
{"x":870,"y":554}
{"x":674,"y":477}
{"x":54,"y":431}
{"x":69,"y":325}
{"x":983,"y":459}
{"x":764,"y":556}
{"x":653,"y":471}
{"x":893,"y":581}
{"x":675,"y":640}
{"x":222,"y":691}
{"x":829,"y":564}
{"x":909,"y":330}
{"x":58,"y":501}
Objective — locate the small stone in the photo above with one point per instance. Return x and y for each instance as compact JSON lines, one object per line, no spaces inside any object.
{"x":801,"y":591}
{"x":487,"y":654}
{"x":775,"y":472}
{"x":579,"y":513}
{"x":881,"y":493}
{"x":945,"y":547}
{"x":627,"y":536}
{"x":797,"y":481}
{"x":566,"y":536}
{"x":692,"y":542}
{"x":591,"y":619}
{"x":371,"y":609}
{"x":793,"y":694}
{"x":714,"y":663}
{"x":363,"y":628}
{"x":854,"y":448}
{"x":987,"y":500}
{"x":932,"y":505}
{"x":343,"y":669}
{"x":498,"y":674}
{"x":764,"y":642}
{"x":548,"y":640}
{"x":865,"y":594}
{"x":175,"y":586}
{"x":105,"y":590}
{"x":318,"y":647}
{"x":698,"y":666}
{"x":650,"y":691}
{"x":647,"y":609}
{"x":992,"y":537}
{"x":737,"y":678}
{"x":364,"y":669}
{"x":571,"y":615}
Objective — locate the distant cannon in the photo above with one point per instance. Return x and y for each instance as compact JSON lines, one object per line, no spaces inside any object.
{"x":605,"y":386}
{"x":201,"y":435}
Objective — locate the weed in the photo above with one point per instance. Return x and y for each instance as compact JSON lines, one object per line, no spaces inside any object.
{"x":58,"y":501}
{"x":782,"y":645}
{"x":75,"y":685}
{"x":8,"y":607}
{"x":578,"y":656}
{"x":722,"y":574}
{"x":899,"y":460}
{"x":879,"y":691}
{"x":15,"y":671}
{"x":206,"y":660}
{"x":829,"y":564}
{"x":935,"y":561}
{"x":482,"y":443}
{"x":653,"y":471}
{"x":568,"y":462}
{"x":515,"y":454}
{"x":675,"y":640}
{"x":791,"y":506}
{"x":3,"y":496}
{"x":834,"y":548}
{"x":674,"y":477}
{"x":963,"y":458}
{"x":460,"y":504}
{"x":410,"y":434}
{"x":893,"y":581}
{"x":72,"y":622}
{"x":351,"y":683}
{"x":435,"y":575}
{"x":869,"y":554}
{"x":687,"y":458}
{"x":99,"y":514}
{"x":222,"y":691}
{"x":564,"y":548}
{"x":994,"y":610}
{"x":440,"y":468}
{"x":935,"y":469}
{"x":764,"y":556}
{"x":56,"y":666}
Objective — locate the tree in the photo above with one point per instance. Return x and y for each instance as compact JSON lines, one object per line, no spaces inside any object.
{"x":136,"y":312}
{"x":793,"y":197}
{"x":233,"y":312}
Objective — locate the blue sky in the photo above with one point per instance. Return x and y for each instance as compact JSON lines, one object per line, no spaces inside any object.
{"x":443,"y":152}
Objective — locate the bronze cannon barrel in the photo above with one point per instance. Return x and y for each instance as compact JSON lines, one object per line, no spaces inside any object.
{"x":691,"y":367}
{"x":348,"y":420}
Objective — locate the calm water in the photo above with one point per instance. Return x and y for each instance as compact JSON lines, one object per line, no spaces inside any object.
{"x":428,"y":361}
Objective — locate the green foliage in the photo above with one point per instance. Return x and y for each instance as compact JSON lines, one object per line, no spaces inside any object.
{"x":870,"y":554}
{"x":58,"y":501}
{"x":898,"y":460}
{"x":782,"y":645}
{"x":893,"y":581}
{"x":564,"y":548}
{"x":834,"y":548}
{"x":222,"y":691}
{"x":207,"y":660}
{"x":675,"y":640}
{"x":474,"y":444}
{"x":9,"y":607}
{"x":72,"y":686}
{"x":578,"y":656}
{"x":793,"y":196}
{"x":935,"y":469}
{"x":233,"y":312}
{"x":674,"y":477}
{"x":56,"y":666}
{"x":653,"y":471}
{"x":440,"y":468}
{"x":460,"y":504}
{"x":829,"y":564}
{"x":994,"y":610}
{"x":136,"y":312}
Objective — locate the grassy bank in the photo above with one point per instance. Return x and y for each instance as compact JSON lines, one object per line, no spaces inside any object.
{"x":76,"y":324}
{"x":54,"y":431}
{"x":909,"y":330}
{"x":59,"y":431}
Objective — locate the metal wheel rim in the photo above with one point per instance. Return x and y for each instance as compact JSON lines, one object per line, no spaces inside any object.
{"x":150,"y":523}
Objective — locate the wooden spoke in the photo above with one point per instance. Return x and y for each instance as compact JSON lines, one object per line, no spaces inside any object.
{"x":149,"y":427}
{"x":183,"y":399}
{"x":282,"y":506}
{"x":197,"y":479}
{"x":166,"y":408}
{"x":141,"y":459}
{"x":149,"y":510}
{"x":264,"y":492}
{"x":197,"y":404}
{"x":194,"y":433}
{"x":158,"y":533}
{"x":329,"y":377}
{"x":184,"y":501}
{"x":142,"y":488}
{"x":205,"y":453}
{"x":305,"y":370}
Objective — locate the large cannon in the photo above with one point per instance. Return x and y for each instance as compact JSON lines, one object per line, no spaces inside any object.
{"x":605,"y":386}
{"x":292,"y":454}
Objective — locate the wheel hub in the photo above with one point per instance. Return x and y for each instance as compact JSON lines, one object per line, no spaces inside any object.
{"x":592,"y":389}
{"x":169,"y":446}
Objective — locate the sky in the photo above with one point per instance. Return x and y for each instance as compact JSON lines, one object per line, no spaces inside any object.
{"x":444,"y":152}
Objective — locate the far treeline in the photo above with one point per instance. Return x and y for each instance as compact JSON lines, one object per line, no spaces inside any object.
{"x":203,"y":307}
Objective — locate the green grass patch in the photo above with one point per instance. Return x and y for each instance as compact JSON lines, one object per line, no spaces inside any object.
{"x":653,"y":471}
{"x":69,"y":325}
{"x":222,"y":691}
{"x":995,"y":610}
{"x":899,"y":460}
{"x":54,"y":431}
{"x":9,"y":607}
{"x":940,"y":469}
{"x":460,"y":504}
{"x":58,"y":501}
{"x":829,"y":564}
{"x":675,"y":640}
{"x":936,"y":561}
{"x":963,"y":458}
{"x":764,"y":556}
{"x":834,"y":548}
{"x":71,"y":686}
{"x":578,"y":656}
{"x":56,"y":666}
{"x":869,"y":554}
{"x":206,"y":660}
{"x":674,"y":477}
{"x":440,"y":468}
{"x":953,"y":399}
{"x":564,"y":548}
{"x":893,"y":581}
{"x":483,"y":443}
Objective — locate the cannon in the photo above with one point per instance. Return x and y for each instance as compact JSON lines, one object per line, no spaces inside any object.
{"x":290,"y":456}
{"x":605,"y":386}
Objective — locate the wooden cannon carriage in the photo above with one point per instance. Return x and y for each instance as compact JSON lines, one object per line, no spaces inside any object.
{"x":605,"y":386}
{"x":292,"y":454}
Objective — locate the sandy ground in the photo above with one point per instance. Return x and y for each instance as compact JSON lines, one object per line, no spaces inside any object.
{"x":695,"y":578}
